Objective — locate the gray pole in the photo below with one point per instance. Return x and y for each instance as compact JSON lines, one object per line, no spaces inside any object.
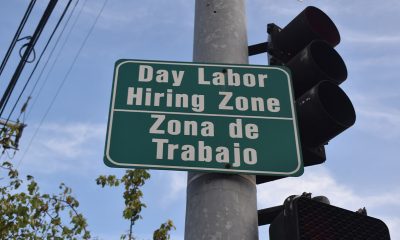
{"x":220,"y":206}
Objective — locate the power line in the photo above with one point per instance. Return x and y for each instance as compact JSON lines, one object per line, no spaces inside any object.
{"x":17,"y":34}
{"x":41,"y":55}
{"x":64,"y":79}
{"x":46,"y":15}
{"x":55,"y":60}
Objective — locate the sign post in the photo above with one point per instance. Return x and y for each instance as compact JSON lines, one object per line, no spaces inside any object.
{"x":225,"y":118}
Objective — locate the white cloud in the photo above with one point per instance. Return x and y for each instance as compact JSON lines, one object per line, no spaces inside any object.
{"x":112,"y":17}
{"x":177,"y":185}
{"x":64,"y":147}
{"x":321,"y":182}
{"x":285,"y":8}
{"x":139,"y":17}
{"x":376,"y":117}
{"x":378,"y":122}
{"x":355,"y":35}
{"x":174,"y":185}
{"x":274,"y":193}
{"x":377,"y":61}
{"x":368,"y":39}
{"x":70,"y":140}
{"x":394,"y":225}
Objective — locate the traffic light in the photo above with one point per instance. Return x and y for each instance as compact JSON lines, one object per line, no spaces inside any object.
{"x":303,"y":218}
{"x":306,"y":47}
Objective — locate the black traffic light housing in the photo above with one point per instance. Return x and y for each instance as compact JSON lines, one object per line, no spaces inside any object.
{"x":303,"y":218}
{"x":311,"y":24}
{"x":306,"y":47}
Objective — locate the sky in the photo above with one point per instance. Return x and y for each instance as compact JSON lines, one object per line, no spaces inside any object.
{"x":65,"y":143}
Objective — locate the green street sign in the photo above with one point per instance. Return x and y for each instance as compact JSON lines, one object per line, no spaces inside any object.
{"x":203,"y":117}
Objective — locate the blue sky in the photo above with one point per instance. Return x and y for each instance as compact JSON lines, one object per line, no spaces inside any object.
{"x":362,"y":163}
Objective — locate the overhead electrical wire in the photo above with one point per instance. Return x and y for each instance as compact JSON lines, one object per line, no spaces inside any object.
{"x":17,"y":34}
{"x":63,"y":81}
{"x":40,"y":57}
{"x":35,"y":99}
{"x":11,"y":85}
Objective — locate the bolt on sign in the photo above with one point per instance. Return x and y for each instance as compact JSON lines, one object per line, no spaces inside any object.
{"x":203,"y":117}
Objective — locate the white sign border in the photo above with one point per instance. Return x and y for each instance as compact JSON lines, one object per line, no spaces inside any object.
{"x":230,"y":170}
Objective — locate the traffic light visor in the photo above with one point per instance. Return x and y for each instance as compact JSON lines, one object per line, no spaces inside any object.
{"x":311,"y":24}
{"x":337,"y":104}
{"x":315,"y":63}
{"x":323,"y":113}
{"x":322,"y":25}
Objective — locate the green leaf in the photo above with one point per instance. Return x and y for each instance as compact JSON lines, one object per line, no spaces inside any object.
{"x":32,"y":187}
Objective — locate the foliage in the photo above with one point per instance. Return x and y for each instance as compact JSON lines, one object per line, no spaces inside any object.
{"x":10,"y":134}
{"x":162,"y":232}
{"x":32,"y":215}
{"x":132,"y":181}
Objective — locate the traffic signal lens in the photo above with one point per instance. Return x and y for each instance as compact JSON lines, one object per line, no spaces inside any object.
{"x":336,"y":104}
{"x":329,"y":62}
{"x":306,"y":47}
{"x":317,"y":62}
{"x":322,"y":25}
{"x":323,"y":112}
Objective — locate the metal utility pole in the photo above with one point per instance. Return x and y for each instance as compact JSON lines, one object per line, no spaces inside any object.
{"x":221,"y":206}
